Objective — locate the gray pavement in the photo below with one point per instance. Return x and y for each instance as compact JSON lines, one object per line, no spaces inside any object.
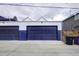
{"x":37,"y":48}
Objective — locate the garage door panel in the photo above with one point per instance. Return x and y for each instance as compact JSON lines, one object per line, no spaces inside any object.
{"x":48,"y":32}
{"x":42,"y":32}
{"x":9,"y":32}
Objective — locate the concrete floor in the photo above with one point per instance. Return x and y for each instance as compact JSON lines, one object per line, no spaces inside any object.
{"x":37,"y":48}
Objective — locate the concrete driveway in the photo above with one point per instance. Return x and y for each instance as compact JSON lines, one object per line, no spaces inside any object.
{"x":37,"y":48}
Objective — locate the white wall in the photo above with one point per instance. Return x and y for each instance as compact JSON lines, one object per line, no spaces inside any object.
{"x":22,"y":25}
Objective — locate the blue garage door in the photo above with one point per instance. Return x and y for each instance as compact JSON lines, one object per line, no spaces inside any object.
{"x":9,"y":32}
{"x":42,"y":33}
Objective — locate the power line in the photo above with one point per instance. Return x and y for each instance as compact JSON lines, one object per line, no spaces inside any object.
{"x":37,"y":6}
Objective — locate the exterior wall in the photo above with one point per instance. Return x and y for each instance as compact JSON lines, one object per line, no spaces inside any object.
{"x":70,"y":23}
{"x":69,"y":29}
{"x":23,"y":25}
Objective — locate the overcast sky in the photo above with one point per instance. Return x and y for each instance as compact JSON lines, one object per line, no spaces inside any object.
{"x":35,"y":11}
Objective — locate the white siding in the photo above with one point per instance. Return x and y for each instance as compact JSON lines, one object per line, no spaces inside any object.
{"x":22,"y":25}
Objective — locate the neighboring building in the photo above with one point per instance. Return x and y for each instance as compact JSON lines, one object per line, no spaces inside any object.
{"x":8,"y":19}
{"x":70,"y":27}
{"x":71,"y":23}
